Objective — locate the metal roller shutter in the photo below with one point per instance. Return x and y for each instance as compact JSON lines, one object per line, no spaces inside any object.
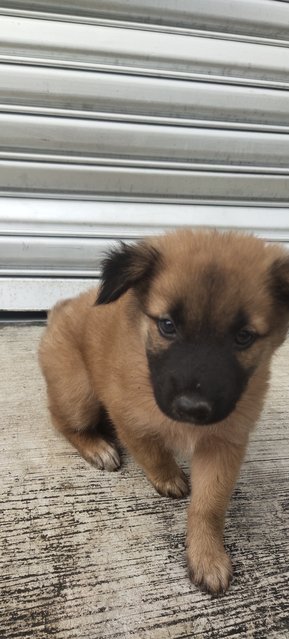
{"x":123,"y":117}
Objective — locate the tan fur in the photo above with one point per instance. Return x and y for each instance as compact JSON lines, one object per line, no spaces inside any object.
{"x":94,"y":356}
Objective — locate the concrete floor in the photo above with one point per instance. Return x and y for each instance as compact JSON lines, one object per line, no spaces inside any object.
{"x":87,"y":555}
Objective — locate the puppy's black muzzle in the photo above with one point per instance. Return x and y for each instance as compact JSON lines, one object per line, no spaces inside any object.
{"x":199,"y":381}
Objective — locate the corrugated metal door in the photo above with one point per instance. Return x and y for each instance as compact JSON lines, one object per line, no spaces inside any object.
{"x":121,"y":117}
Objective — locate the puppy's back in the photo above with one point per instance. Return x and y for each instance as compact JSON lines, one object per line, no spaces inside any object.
{"x":65,"y":329}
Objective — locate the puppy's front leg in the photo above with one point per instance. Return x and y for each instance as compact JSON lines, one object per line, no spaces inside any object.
{"x":158,"y":464}
{"x":215,"y":467}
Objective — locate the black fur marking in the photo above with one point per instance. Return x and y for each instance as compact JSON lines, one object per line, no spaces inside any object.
{"x":127,"y":266}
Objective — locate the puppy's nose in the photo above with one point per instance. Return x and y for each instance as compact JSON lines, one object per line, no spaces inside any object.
{"x":193,"y":407}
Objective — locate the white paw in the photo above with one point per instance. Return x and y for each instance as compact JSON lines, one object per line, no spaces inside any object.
{"x":210,"y":571}
{"x":102,"y":455}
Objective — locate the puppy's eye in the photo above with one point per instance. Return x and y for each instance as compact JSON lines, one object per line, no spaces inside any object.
{"x":245,"y":338}
{"x":166,"y":328}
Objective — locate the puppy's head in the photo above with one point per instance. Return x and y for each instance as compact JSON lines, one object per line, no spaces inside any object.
{"x":214,"y":306}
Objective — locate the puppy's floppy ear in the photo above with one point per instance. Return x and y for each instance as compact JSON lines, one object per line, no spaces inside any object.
{"x":124,"y":267}
{"x":280,"y":280}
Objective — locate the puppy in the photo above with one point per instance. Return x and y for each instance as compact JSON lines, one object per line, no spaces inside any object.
{"x":174,"y":350}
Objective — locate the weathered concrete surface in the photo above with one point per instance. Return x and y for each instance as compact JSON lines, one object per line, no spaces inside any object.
{"x":87,"y":555}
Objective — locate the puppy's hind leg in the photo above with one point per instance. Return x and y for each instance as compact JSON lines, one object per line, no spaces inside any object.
{"x":93,"y":447}
{"x":75,"y":409}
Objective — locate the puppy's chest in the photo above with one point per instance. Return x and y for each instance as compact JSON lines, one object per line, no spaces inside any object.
{"x":178,"y":437}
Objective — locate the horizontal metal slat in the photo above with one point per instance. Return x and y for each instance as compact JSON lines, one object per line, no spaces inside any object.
{"x":66,"y":253}
{"x":88,"y":182}
{"x":118,"y":220}
{"x":19,"y":255}
{"x":92,"y":46}
{"x":93,"y":141}
{"x":251,"y":17}
{"x":91,"y":94}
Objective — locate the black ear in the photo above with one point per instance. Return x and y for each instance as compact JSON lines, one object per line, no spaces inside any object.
{"x":124,"y":267}
{"x":280,"y":280}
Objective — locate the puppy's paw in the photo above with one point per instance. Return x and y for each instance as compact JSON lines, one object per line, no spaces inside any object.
{"x":176,"y":486}
{"x":211,"y":571}
{"x":101,"y":454}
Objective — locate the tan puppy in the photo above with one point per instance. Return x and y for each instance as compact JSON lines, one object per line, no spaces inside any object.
{"x":174,"y":350}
